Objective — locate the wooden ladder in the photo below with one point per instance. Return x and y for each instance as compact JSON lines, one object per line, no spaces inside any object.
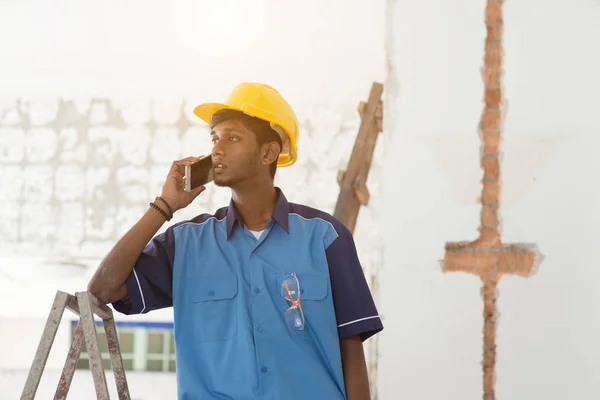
{"x":85,"y":305}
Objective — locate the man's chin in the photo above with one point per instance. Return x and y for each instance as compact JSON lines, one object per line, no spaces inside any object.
{"x":220,"y":182}
{"x":230,"y":181}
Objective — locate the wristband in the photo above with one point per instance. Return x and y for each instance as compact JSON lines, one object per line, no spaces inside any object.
{"x":157,"y":208}
{"x":167,"y":204}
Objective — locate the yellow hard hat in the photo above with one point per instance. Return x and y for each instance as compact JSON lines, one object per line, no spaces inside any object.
{"x":264,"y":102}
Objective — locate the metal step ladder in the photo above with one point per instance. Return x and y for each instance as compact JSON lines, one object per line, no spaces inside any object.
{"x":85,"y":305}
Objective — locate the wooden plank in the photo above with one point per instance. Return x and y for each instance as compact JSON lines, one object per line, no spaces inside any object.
{"x":100,"y":309}
{"x":353,"y":190}
{"x":45,"y":345}
{"x":378,"y":114}
{"x":64,"y":383}
{"x":116,"y":359}
{"x":91,"y":343}
{"x":72,"y":304}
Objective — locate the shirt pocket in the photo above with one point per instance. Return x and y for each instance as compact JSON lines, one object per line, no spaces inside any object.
{"x":215,"y":308}
{"x":313,"y":287}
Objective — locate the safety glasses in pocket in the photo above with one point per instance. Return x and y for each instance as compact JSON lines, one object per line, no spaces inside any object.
{"x":290,"y":290}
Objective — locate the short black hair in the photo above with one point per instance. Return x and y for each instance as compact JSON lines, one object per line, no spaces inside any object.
{"x":261,"y":128}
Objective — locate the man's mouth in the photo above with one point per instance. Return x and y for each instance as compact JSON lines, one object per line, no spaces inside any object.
{"x":219,"y":166}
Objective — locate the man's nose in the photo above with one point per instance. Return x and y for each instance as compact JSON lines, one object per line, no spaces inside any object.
{"x":217,"y":150}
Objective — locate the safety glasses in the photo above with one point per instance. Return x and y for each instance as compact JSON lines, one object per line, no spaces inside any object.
{"x":290,"y":290}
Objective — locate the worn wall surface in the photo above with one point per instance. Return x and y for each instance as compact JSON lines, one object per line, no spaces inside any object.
{"x":77,"y":175}
{"x":441,"y":154}
{"x":96,"y":105}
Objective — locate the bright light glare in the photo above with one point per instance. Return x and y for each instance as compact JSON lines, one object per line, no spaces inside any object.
{"x":222,"y":18}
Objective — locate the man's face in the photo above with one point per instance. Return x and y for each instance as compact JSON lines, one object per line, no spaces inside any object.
{"x":235,"y":153}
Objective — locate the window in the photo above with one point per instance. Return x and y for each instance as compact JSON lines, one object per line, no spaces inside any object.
{"x":160,"y":351}
{"x":144,"y":346}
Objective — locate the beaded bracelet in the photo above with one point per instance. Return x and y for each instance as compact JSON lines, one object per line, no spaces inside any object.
{"x":167,"y":204}
{"x":157,"y":208}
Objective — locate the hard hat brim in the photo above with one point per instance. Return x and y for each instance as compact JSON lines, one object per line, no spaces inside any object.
{"x":205,"y":111}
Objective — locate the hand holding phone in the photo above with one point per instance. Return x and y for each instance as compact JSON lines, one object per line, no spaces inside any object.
{"x":174,"y":189}
{"x":198,"y":173}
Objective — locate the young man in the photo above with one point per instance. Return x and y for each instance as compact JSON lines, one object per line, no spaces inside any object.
{"x":269,"y":298}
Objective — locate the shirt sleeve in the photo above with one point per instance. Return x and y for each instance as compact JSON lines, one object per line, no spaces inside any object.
{"x":355,"y":308}
{"x":149,"y":286}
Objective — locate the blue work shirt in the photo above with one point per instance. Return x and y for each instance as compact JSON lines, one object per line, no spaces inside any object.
{"x":232,"y":339}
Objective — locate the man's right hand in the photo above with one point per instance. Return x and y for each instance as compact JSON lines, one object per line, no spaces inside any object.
{"x":173,"y":190}
{"x":109,"y":282}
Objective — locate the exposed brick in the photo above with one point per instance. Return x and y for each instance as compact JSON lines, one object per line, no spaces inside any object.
{"x":491,"y":143}
{"x":489,"y":293}
{"x":494,"y":32}
{"x":489,"y":378}
{"x":490,"y":357}
{"x":490,"y":288}
{"x":491,"y":167}
{"x":489,"y":310}
{"x":493,"y":97}
{"x":491,"y":77}
{"x":457,"y":245}
{"x":493,"y":12}
{"x":486,"y":256}
{"x":488,"y":239}
{"x":488,"y":217}
{"x":490,"y":121}
{"x":472,"y":262}
{"x":516,"y":263}
{"x":493,"y":54}
{"x":491,"y":192}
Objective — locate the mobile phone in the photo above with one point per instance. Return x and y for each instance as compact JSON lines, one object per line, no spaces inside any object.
{"x":198,"y":173}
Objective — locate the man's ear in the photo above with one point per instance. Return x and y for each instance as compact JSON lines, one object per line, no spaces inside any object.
{"x":270,"y":153}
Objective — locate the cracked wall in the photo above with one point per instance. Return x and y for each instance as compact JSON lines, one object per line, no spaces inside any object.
{"x":76,"y":175}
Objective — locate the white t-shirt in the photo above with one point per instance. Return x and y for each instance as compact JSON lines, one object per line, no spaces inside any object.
{"x":257,"y":233}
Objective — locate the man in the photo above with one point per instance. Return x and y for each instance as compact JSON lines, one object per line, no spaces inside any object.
{"x":269,"y":298}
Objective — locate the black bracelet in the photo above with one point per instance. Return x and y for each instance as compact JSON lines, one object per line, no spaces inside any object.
{"x":160,"y":210}
{"x":167,"y":204}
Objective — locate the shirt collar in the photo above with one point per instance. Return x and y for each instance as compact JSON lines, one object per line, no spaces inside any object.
{"x":280,"y":213}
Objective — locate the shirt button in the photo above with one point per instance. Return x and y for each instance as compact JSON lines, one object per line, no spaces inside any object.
{"x":260,"y":329}
{"x":264,"y":369}
{"x":212,"y":293}
{"x":257,"y":290}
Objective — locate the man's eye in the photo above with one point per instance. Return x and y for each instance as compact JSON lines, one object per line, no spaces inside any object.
{"x":233,"y":139}
{"x":214,"y":140}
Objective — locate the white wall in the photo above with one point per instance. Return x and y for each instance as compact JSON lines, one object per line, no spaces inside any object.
{"x":548,"y":327}
{"x":80,"y":80}
{"x":313,"y":52}
{"x":163,"y":385}
{"x":18,"y":355}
